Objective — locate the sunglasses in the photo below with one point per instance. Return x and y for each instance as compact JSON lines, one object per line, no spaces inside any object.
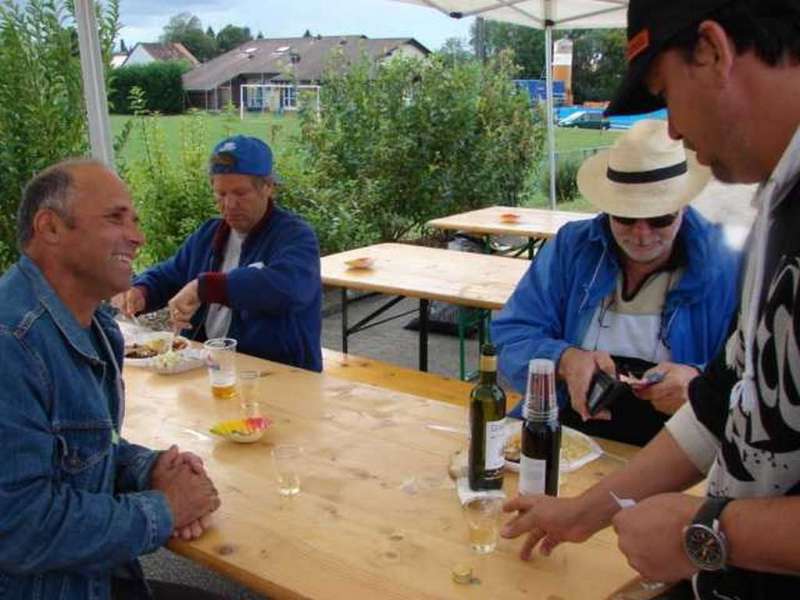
{"x":654,"y":222}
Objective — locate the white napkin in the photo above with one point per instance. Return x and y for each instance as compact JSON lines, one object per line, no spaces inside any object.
{"x":467,"y":494}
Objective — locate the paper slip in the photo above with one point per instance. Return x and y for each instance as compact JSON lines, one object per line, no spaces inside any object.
{"x":623,"y":502}
{"x":466,"y":494}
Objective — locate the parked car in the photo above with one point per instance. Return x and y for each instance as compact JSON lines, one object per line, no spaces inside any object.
{"x":585,"y":120}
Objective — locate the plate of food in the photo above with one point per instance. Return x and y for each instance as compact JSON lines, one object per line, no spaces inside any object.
{"x":509,"y":217}
{"x":153,"y":351}
{"x":242,"y":431}
{"x":577,"y":449}
{"x":361,"y":262}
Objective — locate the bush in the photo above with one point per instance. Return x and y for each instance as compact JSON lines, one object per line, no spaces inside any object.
{"x":171,"y":191}
{"x":408,"y":140}
{"x":42,"y":115}
{"x":160,"y":81}
{"x":566,"y":180}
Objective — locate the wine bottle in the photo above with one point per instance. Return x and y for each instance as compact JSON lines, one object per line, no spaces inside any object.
{"x":487,"y":411}
{"x":541,"y":432}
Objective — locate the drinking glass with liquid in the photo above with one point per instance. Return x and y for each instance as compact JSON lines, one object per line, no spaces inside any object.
{"x":483,"y":521}
{"x":221,"y":363}
{"x":287,"y":460}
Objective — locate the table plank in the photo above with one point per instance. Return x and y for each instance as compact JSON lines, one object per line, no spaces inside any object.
{"x":377,"y":516}
{"x":464,"y":278}
{"x":533,"y":222}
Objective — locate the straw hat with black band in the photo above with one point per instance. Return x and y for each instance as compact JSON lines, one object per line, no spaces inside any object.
{"x":645,"y":174}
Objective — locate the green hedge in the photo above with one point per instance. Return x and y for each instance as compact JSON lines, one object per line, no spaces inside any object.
{"x":161,"y":82}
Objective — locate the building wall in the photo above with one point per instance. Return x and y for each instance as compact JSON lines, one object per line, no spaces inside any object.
{"x":139,"y":56}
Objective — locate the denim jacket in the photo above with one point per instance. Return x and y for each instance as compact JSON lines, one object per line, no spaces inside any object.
{"x":74,"y":504}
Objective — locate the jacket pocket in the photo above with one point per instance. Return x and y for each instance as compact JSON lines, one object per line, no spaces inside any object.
{"x":83,"y":448}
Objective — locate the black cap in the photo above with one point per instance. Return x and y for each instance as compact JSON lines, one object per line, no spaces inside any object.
{"x":651,"y":25}
{"x":488,"y":349}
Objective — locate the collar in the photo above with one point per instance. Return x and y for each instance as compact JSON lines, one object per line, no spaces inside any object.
{"x":783,"y":178}
{"x":63,"y":318}
{"x":224,"y":230}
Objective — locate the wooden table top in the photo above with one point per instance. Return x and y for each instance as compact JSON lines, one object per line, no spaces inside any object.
{"x":377,"y":517}
{"x":465,"y":278}
{"x":533,"y":222}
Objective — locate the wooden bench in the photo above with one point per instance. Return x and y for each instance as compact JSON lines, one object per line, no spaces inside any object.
{"x":401,"y":379}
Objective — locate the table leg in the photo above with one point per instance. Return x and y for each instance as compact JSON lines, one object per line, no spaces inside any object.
{"x":344,"y":320}
{"x":423,"y":334}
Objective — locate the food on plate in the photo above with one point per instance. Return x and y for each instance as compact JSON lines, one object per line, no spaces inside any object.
{"x":573,"y":446}
{"x":509,"y":217}
{"x":139,"y":351}
{"x":242,"y":430}
{"x":155,"y":346}
{"x":362,"y":262}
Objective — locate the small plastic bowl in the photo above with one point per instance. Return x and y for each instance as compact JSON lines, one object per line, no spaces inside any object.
{"x":362,"y":262}
{"x":242,"y":431}
{"x":509,"y":217}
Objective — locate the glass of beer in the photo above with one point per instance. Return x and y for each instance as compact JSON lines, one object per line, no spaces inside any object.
{"x":221,"y":362}
{"x":483,"y":521}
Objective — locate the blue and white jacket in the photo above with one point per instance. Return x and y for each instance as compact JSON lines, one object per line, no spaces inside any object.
{"x":275,"y":295}
{"x":552,"y":306}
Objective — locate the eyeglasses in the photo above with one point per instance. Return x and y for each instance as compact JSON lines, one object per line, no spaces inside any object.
{"x":654,"y":222}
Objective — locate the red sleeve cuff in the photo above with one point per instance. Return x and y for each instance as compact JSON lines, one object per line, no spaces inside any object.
{"x":212,"y":287}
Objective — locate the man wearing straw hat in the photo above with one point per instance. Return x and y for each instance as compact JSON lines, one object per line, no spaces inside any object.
{"x":646,"y":287}
{"x":729,"y":74}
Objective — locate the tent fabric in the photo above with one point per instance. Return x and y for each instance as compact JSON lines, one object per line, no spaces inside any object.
{"x":566,"y":14}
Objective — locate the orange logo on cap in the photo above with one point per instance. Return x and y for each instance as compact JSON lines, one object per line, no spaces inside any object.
{"x":638,"y":44}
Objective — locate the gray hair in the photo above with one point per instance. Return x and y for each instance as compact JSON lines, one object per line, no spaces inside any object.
{"x":49,"y":189}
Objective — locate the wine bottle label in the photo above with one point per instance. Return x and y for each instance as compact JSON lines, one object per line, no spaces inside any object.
{"x":495,"y":444}
{"x":531,"y":475}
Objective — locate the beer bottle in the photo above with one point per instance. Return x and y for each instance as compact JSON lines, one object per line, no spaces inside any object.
{"x":541,"y":432}
{"x":487,"y":411}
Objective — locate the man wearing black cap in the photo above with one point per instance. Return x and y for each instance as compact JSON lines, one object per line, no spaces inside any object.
{"x":729,"y":74}
{"x":253,"y":275}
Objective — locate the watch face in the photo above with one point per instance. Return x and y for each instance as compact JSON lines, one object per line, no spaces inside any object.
{"x":705,"y":547}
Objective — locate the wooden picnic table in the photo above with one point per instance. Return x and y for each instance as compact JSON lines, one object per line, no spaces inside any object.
{"x":536,"y":224}
{"x":377,"y":516}
{"x":402,"y":270}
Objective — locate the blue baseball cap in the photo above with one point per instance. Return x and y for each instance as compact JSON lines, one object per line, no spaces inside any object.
{"x":242,"y":155}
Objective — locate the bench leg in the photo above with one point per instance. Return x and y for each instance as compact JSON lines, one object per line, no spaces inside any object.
{"x":344,"y":320}
{"x":423,"y":334}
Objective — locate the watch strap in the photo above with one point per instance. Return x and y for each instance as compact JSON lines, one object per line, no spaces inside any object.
{"x":710,"y":511}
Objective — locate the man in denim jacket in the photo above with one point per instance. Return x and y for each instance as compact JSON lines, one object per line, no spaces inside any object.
{"x":78,"y":504}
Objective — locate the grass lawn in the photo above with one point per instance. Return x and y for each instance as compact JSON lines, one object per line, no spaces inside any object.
{"x":571,"y":143}
{"x":268,"y":127}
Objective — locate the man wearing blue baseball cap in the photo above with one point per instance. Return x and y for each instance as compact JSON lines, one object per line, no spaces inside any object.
{"x":253,"y":275}
{"x":729,"y":73}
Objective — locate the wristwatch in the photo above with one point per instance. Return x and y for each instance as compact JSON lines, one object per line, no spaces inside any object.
{"x":704,"y":542}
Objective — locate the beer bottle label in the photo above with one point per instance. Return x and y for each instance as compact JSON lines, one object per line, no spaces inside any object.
{"x":532,"y":474}
{"x":495,"y":443}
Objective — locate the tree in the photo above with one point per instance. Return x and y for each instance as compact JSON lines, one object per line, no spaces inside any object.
{"x":526,"y":43}
{"x":42,"y":112}
{"x":454,"y":52}
{"x":307,"y":34}
{"x":231,"y":36}
{"x":185,"y":28}
{"x":122,"y":47}
{"x":598,"y":63}
{"x":260,"y":36}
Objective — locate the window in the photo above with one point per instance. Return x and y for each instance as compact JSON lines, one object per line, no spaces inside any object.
{"x":289,"y":97}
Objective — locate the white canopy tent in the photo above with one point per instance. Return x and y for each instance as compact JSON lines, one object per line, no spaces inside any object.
{"x":541,"y":14}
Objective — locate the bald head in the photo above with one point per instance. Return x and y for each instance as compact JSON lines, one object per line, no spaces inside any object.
{"x":53,"y":189}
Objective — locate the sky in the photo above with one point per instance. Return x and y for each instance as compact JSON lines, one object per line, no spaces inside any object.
{"x":144,"y":20}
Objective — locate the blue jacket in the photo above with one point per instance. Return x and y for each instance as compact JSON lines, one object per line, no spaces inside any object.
{"x":552,"y":306}
{"x":74,"y":503}
{"x":275,"y":294}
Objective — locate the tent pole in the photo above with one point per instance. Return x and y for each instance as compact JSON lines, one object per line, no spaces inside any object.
{"x":551,"y":135}
{"x":94,"y":84}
